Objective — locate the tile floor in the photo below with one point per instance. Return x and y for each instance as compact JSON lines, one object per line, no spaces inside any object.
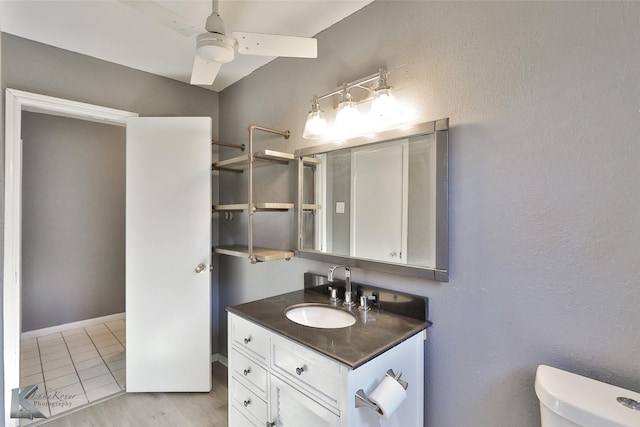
{"x":74,"y":367}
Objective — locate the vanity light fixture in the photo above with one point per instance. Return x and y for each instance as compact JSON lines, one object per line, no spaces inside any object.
{"x":384,"y":113}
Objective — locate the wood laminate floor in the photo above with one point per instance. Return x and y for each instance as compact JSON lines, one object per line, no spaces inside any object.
{"x":155,"y":409}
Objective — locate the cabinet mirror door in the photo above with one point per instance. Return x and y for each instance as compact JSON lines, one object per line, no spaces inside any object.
{"x":378,"y":204}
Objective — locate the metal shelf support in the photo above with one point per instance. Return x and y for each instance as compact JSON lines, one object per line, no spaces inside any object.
{"x":252,"y":207}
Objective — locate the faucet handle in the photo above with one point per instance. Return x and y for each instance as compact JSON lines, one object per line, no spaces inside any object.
{"x":364,"y":302}
{"x":333,"y":292}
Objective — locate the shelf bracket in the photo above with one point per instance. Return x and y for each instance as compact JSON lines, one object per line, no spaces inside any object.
{"x":226,"y":144}
{"x":286,"y":134}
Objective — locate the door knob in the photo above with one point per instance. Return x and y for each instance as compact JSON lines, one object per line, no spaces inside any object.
{"x":200,"y":268}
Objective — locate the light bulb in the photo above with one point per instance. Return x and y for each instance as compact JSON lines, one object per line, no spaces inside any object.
{"x":348,"y":119}
{"x":316,"y":126}
{"x":385,"y":111}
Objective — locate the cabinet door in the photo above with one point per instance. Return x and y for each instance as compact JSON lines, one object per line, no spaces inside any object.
{"x":379,"y":202}
{"x":291,"y":408}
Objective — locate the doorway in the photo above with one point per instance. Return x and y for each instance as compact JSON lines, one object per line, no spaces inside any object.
{"x":168,"y":248}
{"x":17,"y":102}
{"x":73,"y":270}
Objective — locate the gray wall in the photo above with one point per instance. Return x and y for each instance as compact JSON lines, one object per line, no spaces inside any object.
{"x":543,"y":99}
{"x":73,"y":220}
{"x":43,"y":69}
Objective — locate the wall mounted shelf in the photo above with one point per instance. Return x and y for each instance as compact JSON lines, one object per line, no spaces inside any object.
{"x":258,"y":207}
{"x":310,"y":207}
{"x":311,"y":161}
{"x":248,"y":162}
{"x":260,"y":254}
{"x":261,"y":158}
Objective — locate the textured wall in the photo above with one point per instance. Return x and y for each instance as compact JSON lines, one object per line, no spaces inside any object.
{"x":38,"y":68}
{"x":543,"y":99}
{"x":46,"y":70}
{"x":35,"y":67}
{"x":73,"y":220}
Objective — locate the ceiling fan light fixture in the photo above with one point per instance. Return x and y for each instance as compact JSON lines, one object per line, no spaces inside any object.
{"x":215,"y":47}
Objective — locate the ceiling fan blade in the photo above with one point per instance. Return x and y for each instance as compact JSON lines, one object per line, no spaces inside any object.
{"x":164,"y":16}
{"x":204,"y":72}
{"x":276,"y":45}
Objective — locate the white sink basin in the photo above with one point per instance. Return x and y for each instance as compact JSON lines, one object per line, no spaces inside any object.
{"x":320,"y":316}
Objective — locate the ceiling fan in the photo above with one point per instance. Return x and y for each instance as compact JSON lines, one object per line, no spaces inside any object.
{"x":215,"y":48}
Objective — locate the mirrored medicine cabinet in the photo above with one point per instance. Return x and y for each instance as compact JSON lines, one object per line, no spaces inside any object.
{"x":378,"y":203}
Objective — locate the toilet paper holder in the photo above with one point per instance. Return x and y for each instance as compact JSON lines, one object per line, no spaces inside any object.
{"x":363,"y":401}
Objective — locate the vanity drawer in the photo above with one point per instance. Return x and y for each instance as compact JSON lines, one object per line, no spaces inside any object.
{"x":304,"y":367}
{"x":249,"y":372}
{"x":247,"y":402}
{"x":251,"y":338}
{"x":238,"y":419}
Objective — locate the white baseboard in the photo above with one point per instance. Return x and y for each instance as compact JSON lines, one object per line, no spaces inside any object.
{"x":73,"y":325}
{"x":219,"y":358}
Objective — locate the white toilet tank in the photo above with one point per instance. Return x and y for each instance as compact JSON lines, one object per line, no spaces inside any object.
{"x":570,"y":400}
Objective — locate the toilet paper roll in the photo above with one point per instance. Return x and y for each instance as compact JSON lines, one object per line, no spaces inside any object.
{"x":392,"y":421}
{"x":388,"y":396}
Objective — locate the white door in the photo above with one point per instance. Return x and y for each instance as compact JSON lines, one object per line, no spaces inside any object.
{"x":168,"y":225}
{"x":379,"y":202}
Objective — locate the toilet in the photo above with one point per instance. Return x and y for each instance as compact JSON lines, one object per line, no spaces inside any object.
{"x":570,"y":400}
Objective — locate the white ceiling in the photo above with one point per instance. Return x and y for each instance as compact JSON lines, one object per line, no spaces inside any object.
{"x":116,"y":31}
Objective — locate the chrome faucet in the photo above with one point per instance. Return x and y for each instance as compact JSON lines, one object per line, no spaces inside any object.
{"x":348,"y":296}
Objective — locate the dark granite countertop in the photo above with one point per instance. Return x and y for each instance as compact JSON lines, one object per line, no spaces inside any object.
{"x":374,"y":332}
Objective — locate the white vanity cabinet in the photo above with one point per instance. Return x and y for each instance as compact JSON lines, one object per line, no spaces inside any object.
{"x":275,"y":381}
{"x":249,"y":351}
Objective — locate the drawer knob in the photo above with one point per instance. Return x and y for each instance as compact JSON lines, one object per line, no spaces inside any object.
{"x":246,"y":402}
{"x":300,"y":370}
{"x":247,"y":340}
{"x":246,"y":371}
